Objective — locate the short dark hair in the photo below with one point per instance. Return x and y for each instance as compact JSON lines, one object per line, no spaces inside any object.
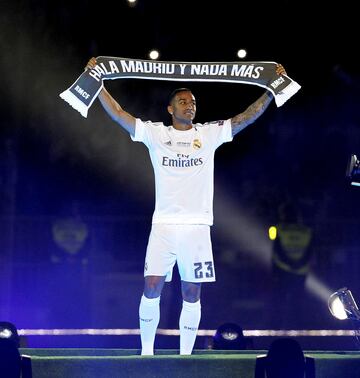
{"x":175,"y":92}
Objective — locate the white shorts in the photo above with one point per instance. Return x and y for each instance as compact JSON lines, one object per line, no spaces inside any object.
{"x":187,"y":245}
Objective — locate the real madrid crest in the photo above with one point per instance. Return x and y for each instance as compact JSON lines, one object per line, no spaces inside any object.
{"x":197,"y":144}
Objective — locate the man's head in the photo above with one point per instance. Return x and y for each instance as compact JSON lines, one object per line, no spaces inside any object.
{"x":175,"y":92}
{"x":182,"y":105}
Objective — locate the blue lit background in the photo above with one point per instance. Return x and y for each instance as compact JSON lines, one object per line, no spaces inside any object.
{"x":56,"y":165}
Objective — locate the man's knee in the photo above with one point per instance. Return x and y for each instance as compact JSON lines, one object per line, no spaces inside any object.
{"x":190,"y":291}
{"x":153,"y":286}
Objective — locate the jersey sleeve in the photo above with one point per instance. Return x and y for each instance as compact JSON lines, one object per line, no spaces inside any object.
{"x":220,"y":132}
{"x":140,"y":132}
{"x":147,"y":132}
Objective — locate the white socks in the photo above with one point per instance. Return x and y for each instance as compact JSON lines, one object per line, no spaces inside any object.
{"x":149,"y":317}
{"x":189,"y":323}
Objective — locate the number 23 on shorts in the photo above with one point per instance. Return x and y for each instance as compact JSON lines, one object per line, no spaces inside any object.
{"x":204,"y":268}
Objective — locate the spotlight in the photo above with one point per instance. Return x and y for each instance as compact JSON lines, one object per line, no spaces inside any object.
{"x":10,"y":359}
{"x":342,"y":305}
{"x":353,"y":170}
{"x":154,"y":54}
{"x":284,"y":359}
{"x":9,"y":331}
{"x":12,"y":364}
{"x":229,"y":336}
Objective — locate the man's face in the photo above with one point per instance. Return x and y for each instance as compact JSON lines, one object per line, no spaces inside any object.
{"x":183,"y":106}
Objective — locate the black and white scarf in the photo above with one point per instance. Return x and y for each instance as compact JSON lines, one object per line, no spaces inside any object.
{"x":86,"y":88}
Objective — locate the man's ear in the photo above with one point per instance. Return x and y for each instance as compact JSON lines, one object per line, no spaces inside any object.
{"x":170,"y":109}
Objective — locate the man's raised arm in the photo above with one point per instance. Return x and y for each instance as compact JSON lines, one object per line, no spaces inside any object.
{"x":112,"y":107}
{"x":251,"y":114}
{"x":255,"y":110}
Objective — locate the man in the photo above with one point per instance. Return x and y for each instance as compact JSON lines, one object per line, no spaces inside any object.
{"x":182,"y":156}
{"x":292,"y":253}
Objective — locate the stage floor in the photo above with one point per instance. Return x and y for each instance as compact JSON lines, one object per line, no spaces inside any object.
{"x":105,"y":363}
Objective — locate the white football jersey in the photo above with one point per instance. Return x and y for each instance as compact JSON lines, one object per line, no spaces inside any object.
{"x":183,"y":163}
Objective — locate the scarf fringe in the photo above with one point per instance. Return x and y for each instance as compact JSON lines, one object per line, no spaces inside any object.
{"x":73,"y":101}
{"x":286,"y":93}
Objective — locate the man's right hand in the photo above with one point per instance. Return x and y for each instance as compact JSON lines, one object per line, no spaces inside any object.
{"x":90,"y":64}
